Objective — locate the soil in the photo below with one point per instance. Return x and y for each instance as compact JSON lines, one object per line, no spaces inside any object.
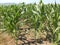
{"x":6,"y":39}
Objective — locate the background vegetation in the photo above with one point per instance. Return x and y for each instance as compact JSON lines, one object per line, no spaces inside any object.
{"x":41,"y":17}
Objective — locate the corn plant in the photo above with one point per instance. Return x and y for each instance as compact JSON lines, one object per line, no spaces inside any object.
{"x":39,"y":16}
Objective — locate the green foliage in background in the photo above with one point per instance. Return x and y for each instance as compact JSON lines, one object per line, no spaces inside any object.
{"x":40,"y":17}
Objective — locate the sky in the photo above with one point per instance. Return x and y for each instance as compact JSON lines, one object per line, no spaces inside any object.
{"x":29,"y":1}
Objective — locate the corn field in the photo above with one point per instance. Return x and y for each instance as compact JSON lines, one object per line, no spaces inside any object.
{"x":41,"y":17}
